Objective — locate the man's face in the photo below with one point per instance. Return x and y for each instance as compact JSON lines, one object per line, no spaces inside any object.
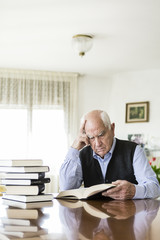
{"x":100,"y":137}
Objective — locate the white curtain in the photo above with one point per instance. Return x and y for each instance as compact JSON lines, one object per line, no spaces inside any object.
{"x":42,"y":89}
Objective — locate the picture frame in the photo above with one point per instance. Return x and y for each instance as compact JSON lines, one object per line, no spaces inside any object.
{"x":137,"y":112}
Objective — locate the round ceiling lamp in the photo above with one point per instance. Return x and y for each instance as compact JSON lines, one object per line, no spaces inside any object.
{"x":82,"y":43}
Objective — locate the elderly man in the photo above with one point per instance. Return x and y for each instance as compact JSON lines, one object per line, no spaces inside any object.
{"x":96,"y":156}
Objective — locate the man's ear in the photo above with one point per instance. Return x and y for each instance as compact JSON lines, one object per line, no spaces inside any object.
{"x":113,"y":127}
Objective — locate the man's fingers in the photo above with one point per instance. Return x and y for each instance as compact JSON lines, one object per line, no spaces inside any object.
{"x":123,"y":190}
{"x":113,"y":190}
{"x":82,"y":128}
{"x":84,"y":139}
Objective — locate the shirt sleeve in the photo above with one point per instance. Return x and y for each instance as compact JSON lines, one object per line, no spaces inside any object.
{"x":148,"y":185}
{"x":70,"y":175}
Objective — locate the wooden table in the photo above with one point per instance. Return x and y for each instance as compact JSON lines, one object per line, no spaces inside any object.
{"x":98,"y":220}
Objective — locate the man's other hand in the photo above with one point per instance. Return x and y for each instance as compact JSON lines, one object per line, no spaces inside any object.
{"x":123,"y":190}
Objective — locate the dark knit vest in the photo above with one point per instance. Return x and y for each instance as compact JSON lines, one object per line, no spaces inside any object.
{"x":120,"y":166}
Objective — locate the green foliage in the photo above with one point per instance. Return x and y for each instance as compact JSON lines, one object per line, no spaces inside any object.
{"x":157,"y":171}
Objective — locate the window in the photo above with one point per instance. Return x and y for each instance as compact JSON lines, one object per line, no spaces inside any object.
{"x":33,"y":134}
{"x":35,"y":107}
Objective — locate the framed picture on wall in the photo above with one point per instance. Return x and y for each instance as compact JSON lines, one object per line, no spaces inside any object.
{"x":137,"y":112}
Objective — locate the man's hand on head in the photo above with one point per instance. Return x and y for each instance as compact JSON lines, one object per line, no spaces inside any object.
{"x":82,"y":139}
{"x":123,"y":190}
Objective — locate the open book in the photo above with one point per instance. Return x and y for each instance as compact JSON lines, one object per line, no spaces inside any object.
{"x":92,"y":192}
{"x":94,"y":208}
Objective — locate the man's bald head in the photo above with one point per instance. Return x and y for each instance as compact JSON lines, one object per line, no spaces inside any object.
{"x":97,"y":115}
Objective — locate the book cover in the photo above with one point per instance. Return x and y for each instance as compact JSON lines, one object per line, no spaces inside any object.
{"x":24,"y":181}
{"x":21,"y":162}
{"x":31,"y":198}
{"x":24,"y":190}
{"x":33,"y":175}
{"x":26,"y":169}
{"x":29,"y":205}
{"x":85,"y":193}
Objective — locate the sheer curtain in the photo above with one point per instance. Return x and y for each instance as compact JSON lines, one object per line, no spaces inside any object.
{"x":42,"y":90}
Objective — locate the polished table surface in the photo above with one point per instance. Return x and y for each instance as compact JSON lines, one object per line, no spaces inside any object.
{"x":98,"y":220}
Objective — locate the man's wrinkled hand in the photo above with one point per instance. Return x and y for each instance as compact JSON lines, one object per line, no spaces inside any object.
{"x":123,"y":190}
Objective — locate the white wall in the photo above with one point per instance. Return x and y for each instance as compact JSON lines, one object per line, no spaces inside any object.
{"x":112,"y":94}
{"x":93,"y":94}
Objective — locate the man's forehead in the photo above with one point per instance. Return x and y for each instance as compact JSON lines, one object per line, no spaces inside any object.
{"x":94,"y":123}
{"x":95,"y":132}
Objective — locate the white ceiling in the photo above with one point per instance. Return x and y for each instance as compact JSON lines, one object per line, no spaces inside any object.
{"x":36,"y":34}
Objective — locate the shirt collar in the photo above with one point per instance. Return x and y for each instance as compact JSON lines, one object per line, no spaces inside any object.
{"x":110,"y":151}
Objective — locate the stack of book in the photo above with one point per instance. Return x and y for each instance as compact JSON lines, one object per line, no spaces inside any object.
{"x":24,"y":180}
{"x":22,"y":224}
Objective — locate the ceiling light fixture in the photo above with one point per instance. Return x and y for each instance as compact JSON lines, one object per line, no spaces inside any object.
{"x":82,"y":43}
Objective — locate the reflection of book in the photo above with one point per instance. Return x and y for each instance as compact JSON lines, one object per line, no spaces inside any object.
{"x":29,"y":205}
{"x":25,"y":190}
{"x":24,"y":175}
{"x":70,"y":203}
{"x":25,"y":169}
{"x":24,"y":181}
{"x":82,"y":237}
{"x":94,"y":208}
{"x":29,"y":198}
{"x":22,"y":213}
{"x":21,"y":162}
{"x":4,"y":237}
{"x":15,"y":221}
{"x":11,"y":234}
{"x":85,"y":193}
{"x":20,"y":228}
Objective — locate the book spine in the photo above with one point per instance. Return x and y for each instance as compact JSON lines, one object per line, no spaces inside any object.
{"x":41,"y":175}
{"x":26,"y":182}
{"x":41,"y":188}
{"x":35,"y":175}
{"x":40,"y":181}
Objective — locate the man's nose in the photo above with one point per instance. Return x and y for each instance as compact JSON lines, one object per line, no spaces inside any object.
{"x":97,"y":141}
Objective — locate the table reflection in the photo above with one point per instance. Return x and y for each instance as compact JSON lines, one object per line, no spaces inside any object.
{"x":107,"y":220}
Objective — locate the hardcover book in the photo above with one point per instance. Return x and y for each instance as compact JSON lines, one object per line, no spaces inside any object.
{"x":24,"y":190}
{"x":23,"y":169}
{"x":31,"y":198}
{"x":24,"y":181}
{"x":33,"y":175}
{"x":21,"y":162}
{"x":29,"y":205}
